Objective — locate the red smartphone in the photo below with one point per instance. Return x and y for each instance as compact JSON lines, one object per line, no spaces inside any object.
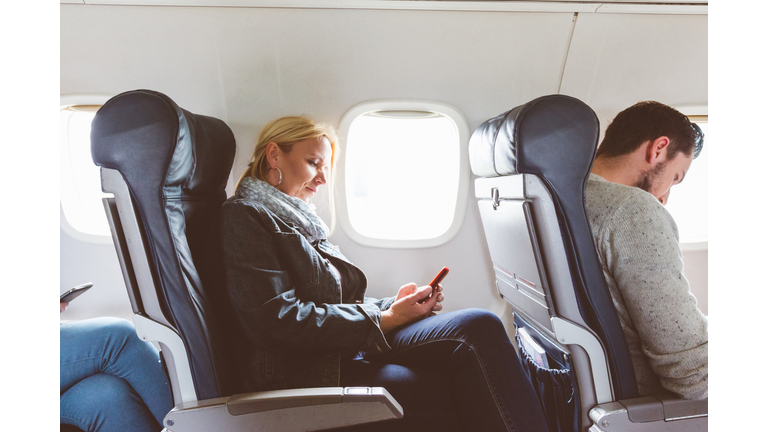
{"x":439,"y":278}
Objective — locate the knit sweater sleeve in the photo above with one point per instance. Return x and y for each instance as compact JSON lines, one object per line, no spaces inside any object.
{"x":646,"y":263}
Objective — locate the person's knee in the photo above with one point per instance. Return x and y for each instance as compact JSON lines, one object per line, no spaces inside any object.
{"x":121,"y":332}
{"x":109,"y":327}
{"x":120,"y":339}
{"x":118,"y":326}
{"x":479,"y":322}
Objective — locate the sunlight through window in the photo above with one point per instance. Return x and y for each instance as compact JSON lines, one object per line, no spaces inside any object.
{"x":402,"y":175}
{"x":688,"y":200}
{"x":80,"y":191}
{"x":404,"y":178}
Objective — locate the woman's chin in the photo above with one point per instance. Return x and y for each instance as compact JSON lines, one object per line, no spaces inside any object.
{"x":307,"y":195}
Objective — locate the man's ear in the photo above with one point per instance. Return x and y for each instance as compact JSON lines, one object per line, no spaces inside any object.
{"x":656,"y":150}
{"x":273,"y":150}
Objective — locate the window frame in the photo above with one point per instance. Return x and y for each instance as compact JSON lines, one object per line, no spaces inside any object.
{"x":64,"y":102}
{"x":463,"y":187}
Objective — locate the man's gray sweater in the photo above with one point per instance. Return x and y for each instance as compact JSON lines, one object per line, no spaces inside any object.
{"x":637,"y":242}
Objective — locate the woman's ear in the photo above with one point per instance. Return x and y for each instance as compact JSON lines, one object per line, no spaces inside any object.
{"x":272,"y":153}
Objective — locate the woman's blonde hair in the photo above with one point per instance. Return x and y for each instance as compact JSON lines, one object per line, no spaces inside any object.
{"x":285,"y":132}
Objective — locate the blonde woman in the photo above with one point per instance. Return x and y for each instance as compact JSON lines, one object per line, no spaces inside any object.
{"x":301,"y":318}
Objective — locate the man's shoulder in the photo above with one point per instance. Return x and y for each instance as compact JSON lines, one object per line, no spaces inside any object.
{"x":610,"y":205}
{"x":608,"y":202}
{"x":608,"y":196}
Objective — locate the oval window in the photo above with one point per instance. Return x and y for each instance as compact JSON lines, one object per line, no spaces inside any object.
{"x":404,"y":174}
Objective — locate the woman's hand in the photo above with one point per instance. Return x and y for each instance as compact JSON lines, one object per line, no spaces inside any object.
{"x":63,"y":306}
{"x":438,"y":292}
{"x":411,"y":304}
{"x":406,"y":290}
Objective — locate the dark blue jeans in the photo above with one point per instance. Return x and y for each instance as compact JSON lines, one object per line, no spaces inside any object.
{"x":455,"y":371}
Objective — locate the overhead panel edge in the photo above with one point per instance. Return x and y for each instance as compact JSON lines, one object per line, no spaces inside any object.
{"x":476,"y":6}
{"x":666,"y":9}
{"x":692,"y":7}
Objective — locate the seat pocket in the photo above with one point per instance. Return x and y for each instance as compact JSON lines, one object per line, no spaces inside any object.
{"x":550,"y":370}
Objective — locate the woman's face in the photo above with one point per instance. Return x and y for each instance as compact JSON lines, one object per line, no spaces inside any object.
{"x":305,"y":167}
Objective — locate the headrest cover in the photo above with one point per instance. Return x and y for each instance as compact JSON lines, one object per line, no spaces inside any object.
{"x":144,"y":133}
{"x":545,"y":135}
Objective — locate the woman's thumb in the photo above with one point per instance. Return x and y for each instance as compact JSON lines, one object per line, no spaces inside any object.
{"x":422,"y":293}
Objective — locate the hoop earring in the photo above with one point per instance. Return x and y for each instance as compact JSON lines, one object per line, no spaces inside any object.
{"x":280,"y":179}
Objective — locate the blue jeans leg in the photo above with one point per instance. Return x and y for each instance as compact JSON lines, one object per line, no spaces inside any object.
{"x":105,"y":403}
{"x":110,"y":346}
{"x":472,"y":349}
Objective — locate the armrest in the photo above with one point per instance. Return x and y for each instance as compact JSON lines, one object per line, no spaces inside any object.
{"x":663,"y":412}
{"x":308,"y":409}
{"x":665,"y":406}
{"x":675,"y":407}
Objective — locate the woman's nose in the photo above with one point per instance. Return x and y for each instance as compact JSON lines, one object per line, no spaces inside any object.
{"x":320,"y":178}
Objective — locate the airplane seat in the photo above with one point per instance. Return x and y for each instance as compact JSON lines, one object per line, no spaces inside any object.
{"x":168,"y":169}
{"x":532,"y":164}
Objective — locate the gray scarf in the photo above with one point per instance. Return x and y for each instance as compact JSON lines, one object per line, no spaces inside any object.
{"x":290,"y":209}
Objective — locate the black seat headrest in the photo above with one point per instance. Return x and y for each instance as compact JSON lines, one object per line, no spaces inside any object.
{"x":553,"y":135}
{"x":155,"y":144}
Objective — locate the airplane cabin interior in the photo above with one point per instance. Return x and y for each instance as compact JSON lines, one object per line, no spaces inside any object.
{"x":466,"y":131}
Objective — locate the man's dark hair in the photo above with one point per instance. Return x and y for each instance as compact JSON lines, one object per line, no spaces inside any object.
{"x":649,"y":120}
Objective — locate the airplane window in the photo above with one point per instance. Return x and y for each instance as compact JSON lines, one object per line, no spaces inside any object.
{"x":688,"y":200}
{"x":402,"y":177}
{"x":83,"y":214}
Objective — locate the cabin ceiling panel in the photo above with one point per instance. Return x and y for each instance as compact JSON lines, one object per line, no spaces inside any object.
{"x":110,"y":50}
{"x":248,"y":66}
{"x":327,"y":61}
{"x":617,"y":60}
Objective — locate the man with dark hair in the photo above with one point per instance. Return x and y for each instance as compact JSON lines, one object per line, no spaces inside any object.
{"x":647,"y":149}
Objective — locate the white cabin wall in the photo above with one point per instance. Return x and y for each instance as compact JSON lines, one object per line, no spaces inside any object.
{"x":250,"y":65}
{"x":616,"y":60}
{"x":82,"y":262}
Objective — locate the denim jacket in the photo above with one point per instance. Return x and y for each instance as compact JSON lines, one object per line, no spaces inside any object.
{"x":295,"y":320}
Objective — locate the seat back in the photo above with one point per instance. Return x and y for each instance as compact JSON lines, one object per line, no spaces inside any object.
{"x":167,"y":169}
{"x":533,"y":163}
